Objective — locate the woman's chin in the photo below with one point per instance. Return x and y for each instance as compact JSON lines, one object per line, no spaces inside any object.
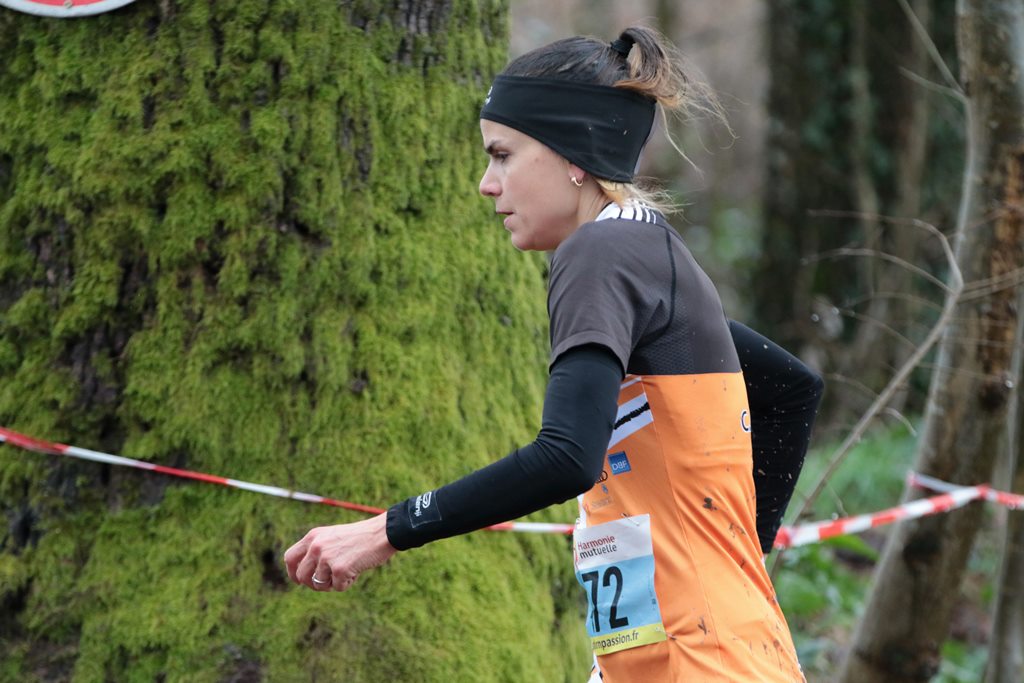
{"x":519,"y":242}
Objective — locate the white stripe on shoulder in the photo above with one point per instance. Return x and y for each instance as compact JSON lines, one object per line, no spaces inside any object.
{"x":630,"y":212}
{"x":613,"y":210}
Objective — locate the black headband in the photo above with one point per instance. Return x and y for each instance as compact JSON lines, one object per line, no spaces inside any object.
{"x":599,"y":128}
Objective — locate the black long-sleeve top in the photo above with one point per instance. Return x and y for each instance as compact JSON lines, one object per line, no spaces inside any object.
{"x":568,"y":454}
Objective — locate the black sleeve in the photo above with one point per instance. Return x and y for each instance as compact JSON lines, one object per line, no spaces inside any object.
{"x":564,"y":460}
{"x":783,"y":394}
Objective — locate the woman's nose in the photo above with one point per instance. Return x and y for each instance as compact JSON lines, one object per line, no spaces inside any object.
{"x":489,"y":186}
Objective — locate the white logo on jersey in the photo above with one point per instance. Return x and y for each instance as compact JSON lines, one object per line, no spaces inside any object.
{"x":745,"y":421}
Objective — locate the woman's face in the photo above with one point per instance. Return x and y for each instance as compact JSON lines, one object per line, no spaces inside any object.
{"x":531,"y":187}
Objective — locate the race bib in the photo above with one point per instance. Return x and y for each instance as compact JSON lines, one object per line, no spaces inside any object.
{"x":615,"y":566}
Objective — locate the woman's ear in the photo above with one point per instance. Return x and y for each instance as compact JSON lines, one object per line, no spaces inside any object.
{"x":576,"y":175}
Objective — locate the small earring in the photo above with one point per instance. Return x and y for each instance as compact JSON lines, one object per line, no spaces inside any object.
{"x":576,"y":181}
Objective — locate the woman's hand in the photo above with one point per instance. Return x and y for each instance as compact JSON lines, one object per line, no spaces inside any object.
{"x":333,"y":557}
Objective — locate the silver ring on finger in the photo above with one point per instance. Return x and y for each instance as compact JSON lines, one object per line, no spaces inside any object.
{"x":320,"y":582}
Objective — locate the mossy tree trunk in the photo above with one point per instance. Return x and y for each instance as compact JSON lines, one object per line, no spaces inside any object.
{"x":907,"y":618}
{"x":244,"y":238}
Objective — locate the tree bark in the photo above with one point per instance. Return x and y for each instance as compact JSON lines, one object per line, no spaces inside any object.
{"x":908,"y":613}
{"x":244,"y":238}
{"x":1006,"y":647}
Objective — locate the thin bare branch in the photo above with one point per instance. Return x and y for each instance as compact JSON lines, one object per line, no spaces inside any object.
{"x":991,"y":323}
{"x":933,"y":51}
{"x":840,"y":508}
{"x":982,"y":288}
{"x":954,"y":273}
{"x":932,"y":85}
{"x":989,"y":342}
{"x":889,"y":220}
{"x":872,"y":394}
{"x":901,"y":296}
{"x":848,"y":251}
{"x":856,"y":384}
{"x":844,"y":379}
{"x":970,"y":373}
{"x":902,"y":418}
{"x":879,"y":324}
{"x":955,"y":287}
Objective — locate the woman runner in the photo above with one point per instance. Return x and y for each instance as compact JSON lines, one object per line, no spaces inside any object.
{"x":681,"y":483}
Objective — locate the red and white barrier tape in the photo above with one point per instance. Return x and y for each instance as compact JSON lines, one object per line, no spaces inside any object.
{"x":951,"y":496}
{"x":40,"y":446}
{"x":1014,"y":501}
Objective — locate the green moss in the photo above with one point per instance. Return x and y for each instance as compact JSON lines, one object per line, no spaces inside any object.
{"x":244,"y":238}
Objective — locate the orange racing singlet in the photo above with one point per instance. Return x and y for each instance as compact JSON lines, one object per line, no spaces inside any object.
{"x":666,"y":549}
{"x":689,"y":473}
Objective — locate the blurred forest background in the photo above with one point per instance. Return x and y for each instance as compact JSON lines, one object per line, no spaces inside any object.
{"x":846,"y":136}
{"x":828,"y":114}
{"x":254,"y":248}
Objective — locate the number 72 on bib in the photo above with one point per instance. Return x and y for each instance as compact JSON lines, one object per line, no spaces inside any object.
{"x":615,"y":566}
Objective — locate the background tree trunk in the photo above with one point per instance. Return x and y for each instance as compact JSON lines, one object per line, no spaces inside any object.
{"x":806,"y":112}
{"x":907,"y":617}
{"x":244,"y":237}
{"x":844,"y":110}
{"x":1006,"y":648}
{"x":901,"y":111}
